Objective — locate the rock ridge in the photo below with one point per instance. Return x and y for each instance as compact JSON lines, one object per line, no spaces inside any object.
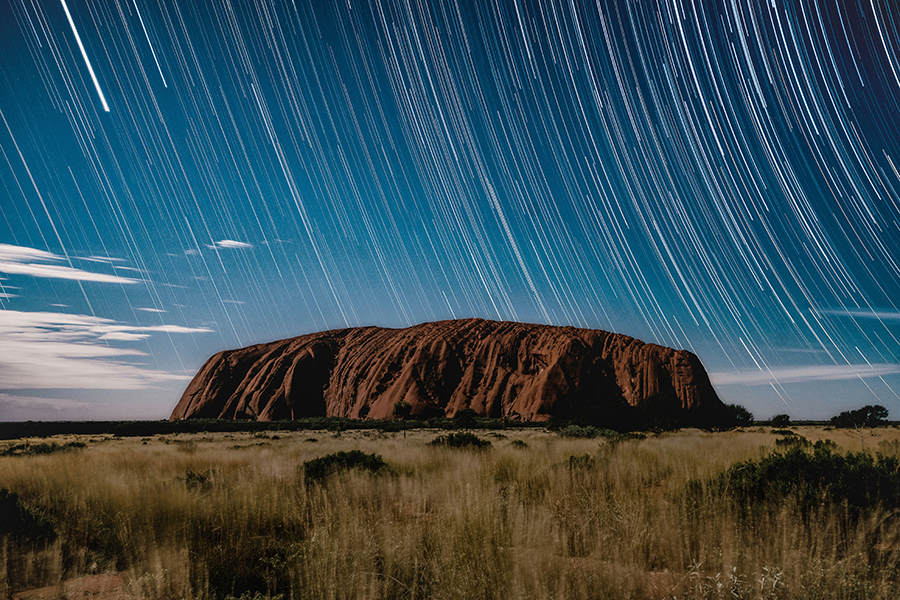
{"x":500,"y":369}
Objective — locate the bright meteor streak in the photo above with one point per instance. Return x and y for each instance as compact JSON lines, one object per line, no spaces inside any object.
{"x":86,"y":59}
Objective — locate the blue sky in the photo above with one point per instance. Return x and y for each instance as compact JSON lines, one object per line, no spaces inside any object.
{"x":181,"y":178}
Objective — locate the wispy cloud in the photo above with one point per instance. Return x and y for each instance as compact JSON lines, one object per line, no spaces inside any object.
{"x":803,"y":374}
{"x":21,"y":408}
{"x":43,"y":350}
{"x":858,"y":313}
{"x":20,"y":260}
{"x":231,"y":244}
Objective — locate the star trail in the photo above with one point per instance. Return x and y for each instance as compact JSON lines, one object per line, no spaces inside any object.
{"x":178,"y":178}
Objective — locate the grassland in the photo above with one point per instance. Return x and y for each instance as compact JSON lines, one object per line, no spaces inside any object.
{"x":535,"y":515}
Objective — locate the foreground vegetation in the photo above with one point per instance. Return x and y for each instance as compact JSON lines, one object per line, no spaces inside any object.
{"x":534,"y":514}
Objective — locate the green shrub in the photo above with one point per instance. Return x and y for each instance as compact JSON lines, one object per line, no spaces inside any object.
{"x":519,"y":444}
{"x":462,"y":439}
{"x":587,"y":431}
{"x":322,"y":467}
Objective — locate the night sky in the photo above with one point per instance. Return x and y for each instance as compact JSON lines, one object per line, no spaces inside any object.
{"x":178,"y":178}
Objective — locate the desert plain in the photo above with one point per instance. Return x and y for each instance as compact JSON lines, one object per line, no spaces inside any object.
{"x":536,"y":514}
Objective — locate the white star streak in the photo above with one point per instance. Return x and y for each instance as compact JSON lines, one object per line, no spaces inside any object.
{"x":87,"y":61}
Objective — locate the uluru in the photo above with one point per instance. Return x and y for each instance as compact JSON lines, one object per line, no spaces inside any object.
{"x":499,"y":369}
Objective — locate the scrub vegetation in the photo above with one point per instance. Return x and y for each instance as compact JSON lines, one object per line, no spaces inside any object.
{"x":373,"y":514}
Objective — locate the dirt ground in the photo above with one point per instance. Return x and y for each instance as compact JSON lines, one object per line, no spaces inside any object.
{"x":96,"y":587}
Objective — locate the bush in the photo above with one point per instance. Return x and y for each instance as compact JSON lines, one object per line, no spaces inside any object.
{"x":585,"y":461}
{"x":22,"y":522}
{"x":793,"y":439}
{"x":857,"y":482}
{"x":462,"y":439}
{"x":734,"y":415}
{"x":628,"y":436}
{"x":587,"y":431}
{"x":40,"y":448}
{"x":198,"y":481}
{"x":781,"y":421}
{"x":322,"y":467}
{"x":465,"y":418}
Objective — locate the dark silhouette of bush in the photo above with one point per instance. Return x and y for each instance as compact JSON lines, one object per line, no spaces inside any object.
{"x":402,"y":410}
{"x":735,"y":415}
{"x":465,"y":418}
{"x":587,"y":432}
{"x":780,"y":421}
{"x":195,"y":480}
{"x":40,"y":448}
{"x":867,"y":416}
{"x":463,"y":439}
{"x":628,"y":436}
{"x":583,"y":462}
{"x":857,"y":483}
{"x":320,"y":468}
{"x":21,"y":522}
{"x":793,"y":439}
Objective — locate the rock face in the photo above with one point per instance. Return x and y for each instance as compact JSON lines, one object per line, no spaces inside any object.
{"x":499,"y":369}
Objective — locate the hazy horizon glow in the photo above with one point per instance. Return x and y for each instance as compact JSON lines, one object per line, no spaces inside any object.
{"x":185,"y":178}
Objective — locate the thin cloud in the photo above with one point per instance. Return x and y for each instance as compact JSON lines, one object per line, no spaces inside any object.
{"x":43,"y":350}
{"x":19,"y":260}
{"x":857,"y":313}
{"x":804,"y":374}
{"x":22,"y":408}
{"x":151,"y":310}
{"x":102,"y":259}
{"x":231,"y":244}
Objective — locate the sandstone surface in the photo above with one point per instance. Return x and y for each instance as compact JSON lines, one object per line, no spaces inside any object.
{"x":500,"y":369}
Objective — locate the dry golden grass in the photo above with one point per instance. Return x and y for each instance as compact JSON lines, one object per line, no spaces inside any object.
{"x":207,"y":516}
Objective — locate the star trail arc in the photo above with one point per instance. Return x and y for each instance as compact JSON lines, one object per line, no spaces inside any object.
{"x":710,"y":175}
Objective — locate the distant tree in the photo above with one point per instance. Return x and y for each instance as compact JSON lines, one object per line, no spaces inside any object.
{"x":729,"y":416}
{"x":781,"y":421}
{"x":429,"y":411}
{"x":402,"y":410}
{"x":867,"y":416}
{"x":465,"y":418}
{"x":740,"y":416}
{"x":660,"y":412}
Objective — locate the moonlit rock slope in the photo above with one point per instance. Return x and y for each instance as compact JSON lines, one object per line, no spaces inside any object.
{"x":500,"y":369}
